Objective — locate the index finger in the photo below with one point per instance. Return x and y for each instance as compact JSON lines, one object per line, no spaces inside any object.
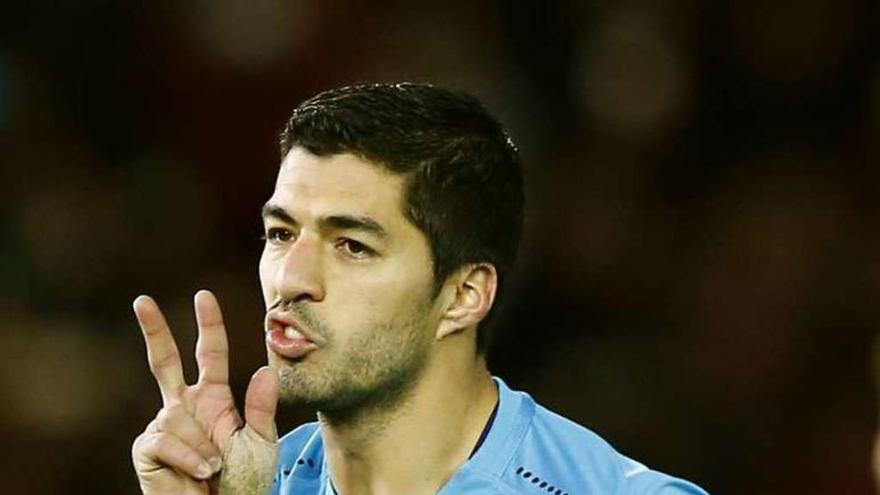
{"x":162,"y":353}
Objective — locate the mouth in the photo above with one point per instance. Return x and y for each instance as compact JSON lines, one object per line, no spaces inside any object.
{"x":286,"y":339}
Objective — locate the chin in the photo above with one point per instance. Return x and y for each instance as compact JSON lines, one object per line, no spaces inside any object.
{"x":308,"y":388}
{"x":298,"y":385}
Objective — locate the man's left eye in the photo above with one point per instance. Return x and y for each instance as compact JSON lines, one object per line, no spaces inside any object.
{"x":354,"y":248}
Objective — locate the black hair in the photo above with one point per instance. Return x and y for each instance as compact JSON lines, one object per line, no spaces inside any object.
{"x":464,"y":185}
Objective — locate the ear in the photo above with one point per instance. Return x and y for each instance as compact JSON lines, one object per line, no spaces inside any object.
{"x":474,"y":289}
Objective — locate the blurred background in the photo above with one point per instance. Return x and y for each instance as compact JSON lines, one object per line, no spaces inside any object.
{"x":699,"y":277}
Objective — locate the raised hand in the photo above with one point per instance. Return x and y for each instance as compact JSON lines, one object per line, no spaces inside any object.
{"x":198,"y":443}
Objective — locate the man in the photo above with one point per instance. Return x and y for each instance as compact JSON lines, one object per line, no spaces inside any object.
{"x":395,"y":218}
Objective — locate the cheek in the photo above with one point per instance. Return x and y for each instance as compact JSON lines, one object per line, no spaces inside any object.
{"x":265,"y":273}
{"x":362,"y":310}
{"x":397,"y":303}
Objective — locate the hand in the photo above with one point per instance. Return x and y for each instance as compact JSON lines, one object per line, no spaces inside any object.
{"x":198,"y":443}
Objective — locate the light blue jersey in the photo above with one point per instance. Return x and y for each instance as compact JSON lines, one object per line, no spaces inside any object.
{"x":528,"y":450}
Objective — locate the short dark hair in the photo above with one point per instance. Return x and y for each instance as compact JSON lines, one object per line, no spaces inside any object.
{"x":464,"y":186}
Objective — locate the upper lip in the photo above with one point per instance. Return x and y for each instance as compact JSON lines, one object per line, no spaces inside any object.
{"x":281,"y":319}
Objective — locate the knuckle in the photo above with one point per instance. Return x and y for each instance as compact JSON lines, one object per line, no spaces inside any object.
{"x":205,"y":446}
{"x":156,"y":443}
{"x":191,"y":460}
{"x":169,"y":416}
{"x":142,"y":442}
{"x":161,"y":448}
{"x":144,"y":447}
{"x":137,"y":446}
{"x":152,"y":426}
{"x":162,"y":420}
{"x":166,"y":444}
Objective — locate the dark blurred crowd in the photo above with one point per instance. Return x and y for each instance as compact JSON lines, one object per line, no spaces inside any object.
{"x":700,"y":267}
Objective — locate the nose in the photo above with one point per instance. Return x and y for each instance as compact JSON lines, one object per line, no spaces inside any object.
{"x":299,"y":273}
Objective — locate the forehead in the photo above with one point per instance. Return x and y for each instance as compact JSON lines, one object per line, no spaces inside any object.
{"x":312,"y":186}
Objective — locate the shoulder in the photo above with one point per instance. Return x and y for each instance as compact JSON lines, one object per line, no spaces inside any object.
{"x":559,"y":456}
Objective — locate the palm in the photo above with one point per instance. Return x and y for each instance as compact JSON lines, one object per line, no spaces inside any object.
{"x":207,"y":406}
{"x":213,"y":407}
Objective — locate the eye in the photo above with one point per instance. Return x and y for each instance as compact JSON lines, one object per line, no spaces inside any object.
{"x":277,"y":235}
{"x":354,"y":248}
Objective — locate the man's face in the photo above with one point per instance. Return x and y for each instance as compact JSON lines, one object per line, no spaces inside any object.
{"x":347,"y":281}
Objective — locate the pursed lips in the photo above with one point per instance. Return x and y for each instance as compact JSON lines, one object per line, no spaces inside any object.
{"x":286,"y":337}
{"x":286,"y":322}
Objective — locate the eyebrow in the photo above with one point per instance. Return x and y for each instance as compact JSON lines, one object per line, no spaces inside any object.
{"x":330,"y":222}
{"x":270,"y":210}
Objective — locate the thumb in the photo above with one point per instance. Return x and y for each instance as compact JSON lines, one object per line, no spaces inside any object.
{"x":260,"y":403}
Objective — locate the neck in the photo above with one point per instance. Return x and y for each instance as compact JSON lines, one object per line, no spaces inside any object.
{"x":408,"y":447}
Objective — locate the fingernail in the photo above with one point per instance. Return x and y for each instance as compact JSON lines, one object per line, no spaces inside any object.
{"x":204,"y":471}
{"x":216,"y":463}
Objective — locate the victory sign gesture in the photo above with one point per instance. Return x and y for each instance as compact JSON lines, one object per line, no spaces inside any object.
{"x":198,"y":442}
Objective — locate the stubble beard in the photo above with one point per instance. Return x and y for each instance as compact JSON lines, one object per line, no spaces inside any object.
{"x":375,"y":372}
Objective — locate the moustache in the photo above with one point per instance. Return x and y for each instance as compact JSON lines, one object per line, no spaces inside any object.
{"x":303,"y":313}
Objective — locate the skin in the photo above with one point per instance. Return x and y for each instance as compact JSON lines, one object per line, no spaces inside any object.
{"x":198,"y":431}
{"x":394,"y":371}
